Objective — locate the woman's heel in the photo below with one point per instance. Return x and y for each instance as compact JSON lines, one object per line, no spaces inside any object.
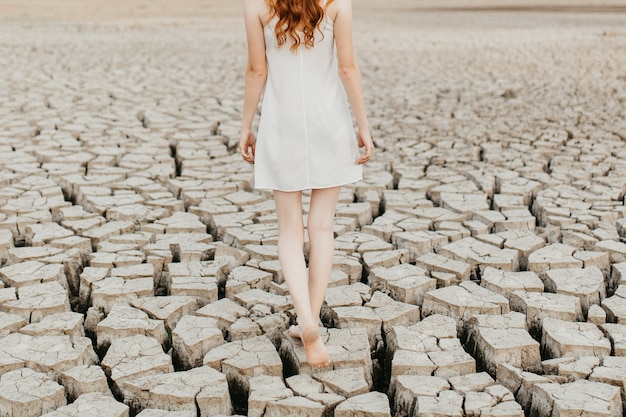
{"x":316,"y":353}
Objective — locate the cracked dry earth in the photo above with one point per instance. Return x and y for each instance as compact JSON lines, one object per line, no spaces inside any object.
{"x":478,"y":268}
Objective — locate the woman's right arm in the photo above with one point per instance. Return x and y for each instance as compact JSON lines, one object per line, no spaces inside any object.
{"x":256,"y":75}
{"x":351,"y":75}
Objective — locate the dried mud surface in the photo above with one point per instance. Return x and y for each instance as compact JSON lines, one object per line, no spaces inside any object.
{"x":478,"y":266}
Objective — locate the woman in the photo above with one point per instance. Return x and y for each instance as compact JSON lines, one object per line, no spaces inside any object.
{"x":301,"y":58}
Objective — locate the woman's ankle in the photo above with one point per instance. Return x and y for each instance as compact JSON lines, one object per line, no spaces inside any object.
{"x":307,"y":323}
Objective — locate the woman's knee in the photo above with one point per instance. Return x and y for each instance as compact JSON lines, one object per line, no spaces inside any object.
{"x":294,"y":234}
{"x":322,"y":212}
{"x":319,"y":226}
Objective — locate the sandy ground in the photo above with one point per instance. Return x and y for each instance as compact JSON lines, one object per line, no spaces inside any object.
{"x":166,"y":10}
{"x":467,"y":100}
{"x":401,"y":17}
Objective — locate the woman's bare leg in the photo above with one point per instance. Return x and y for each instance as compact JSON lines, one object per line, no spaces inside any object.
{"x":291,"y":257}
{"x":321,"y":238}
{"x":290,"y":253}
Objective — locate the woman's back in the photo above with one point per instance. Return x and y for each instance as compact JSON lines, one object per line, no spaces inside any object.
{"x":315,"y":66}
{"x":306,"y":137}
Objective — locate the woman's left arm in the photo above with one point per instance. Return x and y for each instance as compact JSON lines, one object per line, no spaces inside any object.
{"x":256,"y":75}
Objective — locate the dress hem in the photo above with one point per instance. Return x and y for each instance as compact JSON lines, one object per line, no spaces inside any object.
{"x":316,"y":187}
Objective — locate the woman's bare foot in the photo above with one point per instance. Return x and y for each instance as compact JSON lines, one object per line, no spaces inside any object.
{"x":316,"y":353}
{"x":295,"y":332}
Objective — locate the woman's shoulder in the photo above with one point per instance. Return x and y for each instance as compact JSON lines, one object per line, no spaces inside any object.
{"x":257,"y":6}
{"x":335,"y":7}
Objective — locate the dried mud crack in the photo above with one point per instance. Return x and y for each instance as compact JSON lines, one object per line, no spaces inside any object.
{"x":478,"y":265}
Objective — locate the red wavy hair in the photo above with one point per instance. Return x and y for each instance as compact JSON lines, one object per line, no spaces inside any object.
{"x":295,"y":14}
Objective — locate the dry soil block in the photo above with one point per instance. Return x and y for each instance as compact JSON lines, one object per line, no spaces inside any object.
{"x":463,"y":300}
{"x":556,"y":256}
{"x":407,"y":283}
{"x":346,"y":382}
{"x":10,"y":323}
{"x":95,"y":404}
{"x":225,"y":312}
{"x":419,"y":243}
{"x":112,"y":290}
{"x":585,"y":283}
{"x":495,"y":339}
{"x":505,"y":282}
{"x":372,"y":404}
{"x":360,"y":316}
{"x":409,"y":389}
{"x":277,"y":303}
{"x":168,"y":309}
{"x":430,"y":347}
{"x":264,"y":390}
{"x":241,"y":360}
{"x":564,"y":338}
{"x":197,"y":279}
{"x":39,"y":300}
{"x":200,"y":388}
{"x":193,"y":337}
{"x":484,"y":397}
{"x":393,"y":312}
{"x":615,"y":306}
{"x":84,"y":379}
{"x":32,"y":272}
{"x":68,"y":323}
{"x":294,"y":406}
{"x":162,"y":413}
{"x":519,"y":382}
{"x":26,"y":393}
{"x":571,"y":368}
{"x":617,"y":335}
{"x":580,"y":397}
{"x":49,"y":354}
{"x":135,"y":356}
{"x":433,"y":262}
{"x":245,"y":278}
{"x":125,"y":321}
{"x":346,"y":295}
{"x":539,"y":305}
{"x":611,"y":372}
{"x":481,"y":255}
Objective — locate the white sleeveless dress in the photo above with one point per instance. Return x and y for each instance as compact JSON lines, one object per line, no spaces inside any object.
{"x":306,"y":139}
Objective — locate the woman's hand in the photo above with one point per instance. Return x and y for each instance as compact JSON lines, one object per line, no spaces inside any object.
{"x":247,"y":143}
{"x":365,"y":141}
